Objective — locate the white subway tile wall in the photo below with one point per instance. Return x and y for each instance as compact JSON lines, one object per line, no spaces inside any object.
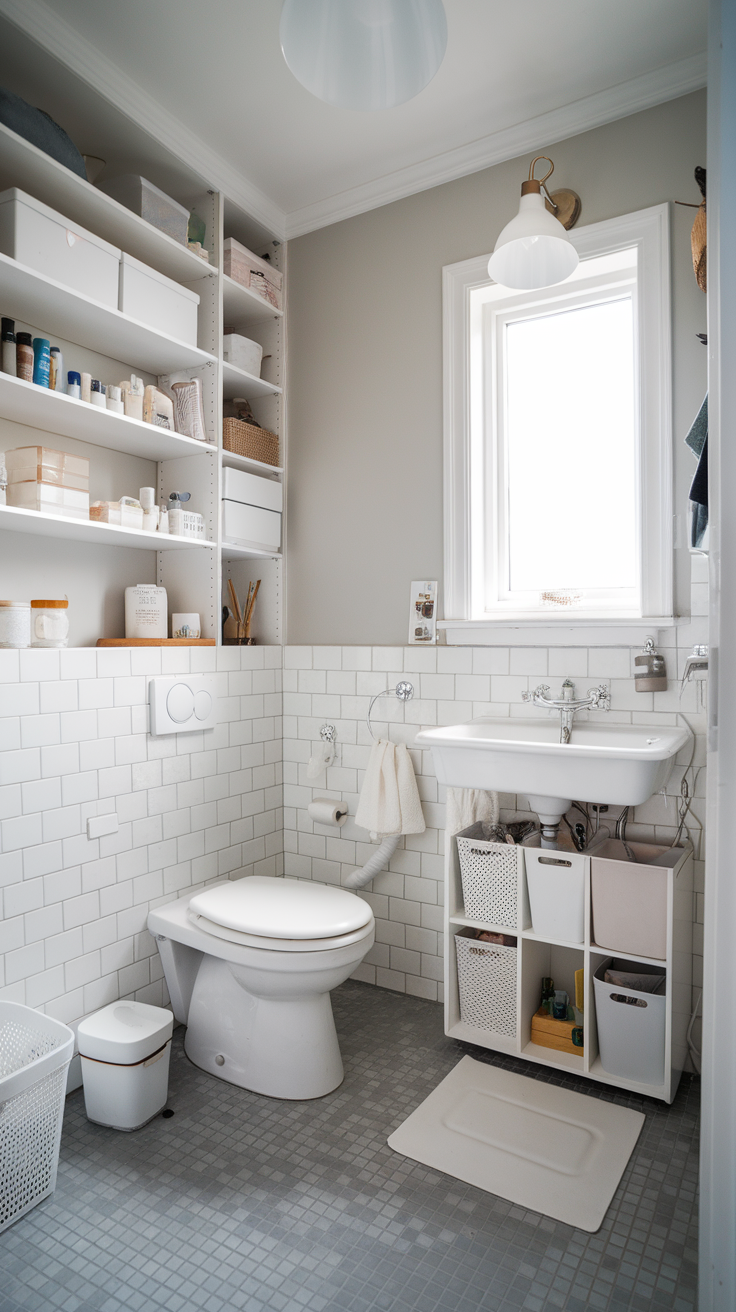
{"x":191,"y":808}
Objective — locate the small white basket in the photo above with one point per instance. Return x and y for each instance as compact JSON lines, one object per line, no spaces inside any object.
{"x":35,"y":1052}
{"x":486,"y":976}
{"x":490,"y":874}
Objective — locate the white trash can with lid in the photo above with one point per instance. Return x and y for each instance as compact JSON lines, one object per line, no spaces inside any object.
{"x":125,"y":1051}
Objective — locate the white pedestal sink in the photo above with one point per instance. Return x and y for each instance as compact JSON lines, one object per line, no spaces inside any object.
{"x":618,"y":764}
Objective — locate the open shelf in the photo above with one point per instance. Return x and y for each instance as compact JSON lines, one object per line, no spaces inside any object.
{"x":472,"y":1034}
{"x":564,"y":1061}
{"x":635,"y":1086}
{"x":236,"y":382}
{"x":23,"y":165}
{"x":240,"y":305}
{"x":59,"y":311}
{"x":553,"y":942}
{"x":232,"y":461}
{"x":65,"y":416}
{"x":236,"y":551}
{"x":41,"y":524}
{"x":627,"y":956}
{"x":482,"y":924}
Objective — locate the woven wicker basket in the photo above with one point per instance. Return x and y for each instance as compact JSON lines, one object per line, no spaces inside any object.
{"x":247,"y":440}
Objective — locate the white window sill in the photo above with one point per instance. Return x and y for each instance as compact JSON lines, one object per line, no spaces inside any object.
{"x":567,"y":632}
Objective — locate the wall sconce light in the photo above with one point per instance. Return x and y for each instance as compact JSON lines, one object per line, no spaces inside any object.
{"x":363,"y":54}
{"x":533,"y":250}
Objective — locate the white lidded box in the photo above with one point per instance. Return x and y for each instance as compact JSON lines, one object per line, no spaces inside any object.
{"x":158,"y":301}
{"x":251,"y":526}
{"x":251,"y":271}
{"x":243,"y":353}
{"x":125,"y":1051}
{"x":631,"y":1024}
{"x":49,"y":498}
{"x":41,"y":238}
{"x":152,"y":204}
{"x":237,"y":485}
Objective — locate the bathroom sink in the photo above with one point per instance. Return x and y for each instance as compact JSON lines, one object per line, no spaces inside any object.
{"x":619,"y":764}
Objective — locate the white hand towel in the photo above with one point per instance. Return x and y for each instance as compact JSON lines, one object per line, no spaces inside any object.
{"x":389,"y":799}
{"x":466,"y":806}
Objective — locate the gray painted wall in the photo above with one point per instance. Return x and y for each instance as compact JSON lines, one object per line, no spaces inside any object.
{"x":365,"y":366}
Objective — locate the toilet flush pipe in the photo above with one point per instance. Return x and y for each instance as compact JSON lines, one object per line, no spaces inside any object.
{"x":375,"y":864}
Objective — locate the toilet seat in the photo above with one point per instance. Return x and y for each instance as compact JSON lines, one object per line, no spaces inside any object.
{"x":287,"y":915}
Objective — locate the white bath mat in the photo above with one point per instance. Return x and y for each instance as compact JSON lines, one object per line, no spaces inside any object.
{"x":547,"y":1149}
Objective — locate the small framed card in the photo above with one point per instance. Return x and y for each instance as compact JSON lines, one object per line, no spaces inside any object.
{"x":423,"y":614}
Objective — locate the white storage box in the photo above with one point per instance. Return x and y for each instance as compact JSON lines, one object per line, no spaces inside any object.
{"x":52,"y":500}
{"x":35,"y":235}
{"x":35,"y":1052}
{"x":631,"y":1025}
{"x":243,"y":353}
{"x":41,"y":464}
{"x":629,"y":899}
{"x":125,"y":1051}
{"x":251,"y":526}
{"x":158,"y":301}
{"x":153,"y":205}
{"x":486,"y":977}
{"x":251,"y":271}
{"x":555,"y":882}
{"x":490,"y":874}
{"x":252,"y":490}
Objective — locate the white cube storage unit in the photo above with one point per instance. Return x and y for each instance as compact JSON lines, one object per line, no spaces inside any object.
{"x":478,"y":1004}
{"x":36,"y":235}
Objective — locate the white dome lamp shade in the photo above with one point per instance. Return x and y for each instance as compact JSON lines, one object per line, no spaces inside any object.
{"x":534,"y":250}
{"x":363,"y":54}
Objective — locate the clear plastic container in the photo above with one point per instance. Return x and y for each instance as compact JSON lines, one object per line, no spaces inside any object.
{"x":41,"y":464}
{"x":50,"y":623}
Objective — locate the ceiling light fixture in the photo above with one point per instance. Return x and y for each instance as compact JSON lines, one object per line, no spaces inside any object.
{"x":363,"y":54}
{"x":534,"y":250}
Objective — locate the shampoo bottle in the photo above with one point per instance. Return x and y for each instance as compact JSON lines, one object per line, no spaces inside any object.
{"x":8,"y":347}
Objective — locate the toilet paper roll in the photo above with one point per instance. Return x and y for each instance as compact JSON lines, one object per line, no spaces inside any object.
{"x":327,"y":812}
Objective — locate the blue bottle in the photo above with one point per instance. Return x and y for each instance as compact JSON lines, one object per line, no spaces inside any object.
{"x":41,"y":361}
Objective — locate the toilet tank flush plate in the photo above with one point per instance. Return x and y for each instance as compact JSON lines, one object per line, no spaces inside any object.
{"x":182,"y":703}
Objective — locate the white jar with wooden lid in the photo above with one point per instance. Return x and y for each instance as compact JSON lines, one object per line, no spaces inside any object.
{"x":50,"y":623}
{"x":15,"y":623}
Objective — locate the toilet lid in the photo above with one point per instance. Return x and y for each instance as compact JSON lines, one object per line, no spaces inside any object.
{"x":282,"y":908}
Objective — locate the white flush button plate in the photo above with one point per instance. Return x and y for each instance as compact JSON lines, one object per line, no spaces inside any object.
{"x":182,"y":703}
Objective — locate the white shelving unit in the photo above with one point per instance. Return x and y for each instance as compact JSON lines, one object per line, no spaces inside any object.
{"x":125,"y":453}
{"x":538,"y":957}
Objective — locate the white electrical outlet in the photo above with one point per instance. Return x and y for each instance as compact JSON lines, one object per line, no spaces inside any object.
{"x":182,"y":703}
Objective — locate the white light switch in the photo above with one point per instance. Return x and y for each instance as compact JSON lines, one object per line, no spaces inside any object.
{"x":182,"y":703}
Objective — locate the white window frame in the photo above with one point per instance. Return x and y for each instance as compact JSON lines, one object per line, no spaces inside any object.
{"x":648,"y":231}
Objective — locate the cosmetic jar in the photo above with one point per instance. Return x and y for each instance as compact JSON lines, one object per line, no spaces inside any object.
{"x":49,"y":623}
{"x":15,"y":623}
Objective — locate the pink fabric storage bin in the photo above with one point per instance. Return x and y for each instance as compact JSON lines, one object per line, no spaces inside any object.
{"x":629,"y":899}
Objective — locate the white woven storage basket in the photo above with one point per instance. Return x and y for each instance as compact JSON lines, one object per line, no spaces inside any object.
{"x":490,"y":874}
{"x":35,"y":1052}
{"x":486,"y":976}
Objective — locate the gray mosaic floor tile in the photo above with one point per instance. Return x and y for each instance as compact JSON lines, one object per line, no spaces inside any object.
{"x":240,"y":1203}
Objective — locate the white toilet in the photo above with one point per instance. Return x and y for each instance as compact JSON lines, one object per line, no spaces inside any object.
{"x":249,"y":965}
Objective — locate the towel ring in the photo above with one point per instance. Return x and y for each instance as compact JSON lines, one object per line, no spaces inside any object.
{"x":404,"y":691}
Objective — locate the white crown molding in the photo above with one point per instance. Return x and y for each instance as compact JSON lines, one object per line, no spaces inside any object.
{"x":580,"y":116}
{"x":42,"y":23}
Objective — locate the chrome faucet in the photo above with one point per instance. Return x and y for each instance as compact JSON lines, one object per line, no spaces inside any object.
{"x":567,"y":704}
{"x":696,"y":665}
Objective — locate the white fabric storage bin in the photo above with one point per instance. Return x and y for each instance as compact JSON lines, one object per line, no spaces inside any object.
{"x":629,"y":899}
{"x":486,"y":979}
{"x":153,"y":299}
{"x":35,"y":235}
{"x":35,"y":1052}
{"x":125,"y":1051}
{"x":243,"y":353}
{"x":153,"y":205}
{"x":555,"y":882}
{"x":631,"y":1039}
{"x":252,"y":490}
{"x":251,"y":526}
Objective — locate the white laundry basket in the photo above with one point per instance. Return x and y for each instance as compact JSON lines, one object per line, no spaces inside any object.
{"x":35,"y":1052}
{"x":486,"y":978}
{"x":631,"y":1038}
{"x":490,"y":874}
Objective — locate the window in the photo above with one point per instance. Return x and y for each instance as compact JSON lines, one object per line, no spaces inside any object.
{"x":558,"y":443}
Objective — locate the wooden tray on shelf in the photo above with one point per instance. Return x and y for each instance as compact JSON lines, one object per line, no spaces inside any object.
{"x":155,"y":642}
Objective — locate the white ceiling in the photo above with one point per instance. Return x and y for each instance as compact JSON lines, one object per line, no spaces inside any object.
{"x":515,"y":76}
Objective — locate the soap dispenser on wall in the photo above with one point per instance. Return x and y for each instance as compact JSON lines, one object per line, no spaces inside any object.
{"x":650,"y":672}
